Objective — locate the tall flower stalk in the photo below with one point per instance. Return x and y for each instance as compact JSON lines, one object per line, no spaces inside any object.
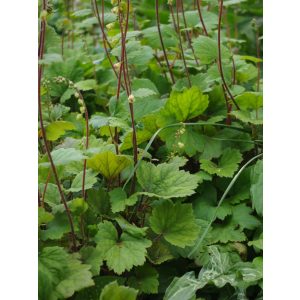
{"x":162,"y":42}
{"x":54,"y":171}
{"x":220,"y":67}
{"x":181,"y":47}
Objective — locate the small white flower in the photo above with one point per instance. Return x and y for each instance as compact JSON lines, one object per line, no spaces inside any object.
{"x":180,"y":145}
{"x":82,"y":109}
{"x":79,"y":117}
{"x":131,"y":98}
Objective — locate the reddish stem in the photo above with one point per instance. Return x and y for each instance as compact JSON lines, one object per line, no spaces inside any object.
{"x":258,"y":63}
{"x":181,"y":48}
{"x":201,"y":17}
{"x":162,"y":42}
{"x":54,"y":171}
{"x":187,"y":33}
{"x":220,"y":56}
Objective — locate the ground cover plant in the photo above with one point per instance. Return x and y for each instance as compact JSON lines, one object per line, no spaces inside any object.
{"x":150,"y":149}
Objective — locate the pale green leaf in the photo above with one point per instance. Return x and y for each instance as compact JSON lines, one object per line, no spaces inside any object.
{"x":108,"y":164}
{"x":207,"y":49}
{"x":166,"y":180}
{"x":86,"y":85}
{"x":58,"y":128}
{"x":90,"y":180}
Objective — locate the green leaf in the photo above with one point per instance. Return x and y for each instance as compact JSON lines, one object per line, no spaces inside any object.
{"x":64,"y":156}
{"x":143,"y":93}
{"x":93,"y":257}
{"x":44,"y":216}
{"x":257,"y":243}
{"x":52,"y":196}
{"x":227,"y":166}
{"x":166,"y":180}
{"x":90,"y":180}
{"x":141,"y":137}
{"x":57,"y":227}
{"x":108,"y":164}
{"x":226,"y":233}
{"x":61,"y":274}
{"x":241,"y":215}
{"x":256,"y":189}
{"x":78,"y":206}
{"x":98,"y":121}
{"x":247,"y":117}
{"x":120,"y":253}
{"x":113,"y":291}
{"x":58,"y":128}
{"x":119,"y":200}
{"x":145,"y":279}
{"x":249,"y":100}
{"x":92,"y":293}
{"x":175,"y":222}
{"x":86,"y":85}
{"x":207,"y":49}
{"x":183,"y":106}
{"x":188,"y":142}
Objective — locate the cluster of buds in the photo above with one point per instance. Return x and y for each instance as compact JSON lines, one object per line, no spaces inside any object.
{"x":71,"y":84}
{"x":44,"y":15}
{"x":45,"y":82}
{"x":131,"y":99}
{"x":115,"y":10}
{"x":110,"y":26}
{"x":81,"y":103}
{"x":178,"y":134}
{"x":60,"y":79}
{"x":117,"y":66}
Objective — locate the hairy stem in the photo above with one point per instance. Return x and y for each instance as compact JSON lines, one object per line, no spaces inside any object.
{"x":162,"y":42}
{"x":54,"y":171}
